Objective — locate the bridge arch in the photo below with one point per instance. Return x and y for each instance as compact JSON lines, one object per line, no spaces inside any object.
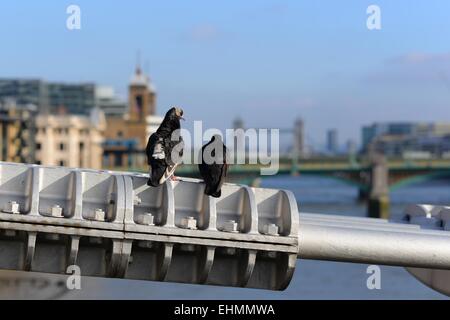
{"x":418,"y":178}
{"x":346,"y":179}
{"x":342,"y":178}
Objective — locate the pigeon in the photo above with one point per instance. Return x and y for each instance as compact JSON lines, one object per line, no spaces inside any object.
{"x":165,"y":148}
{"x":213,"y":166}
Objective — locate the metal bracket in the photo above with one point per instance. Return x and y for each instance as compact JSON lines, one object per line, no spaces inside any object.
{"x":115,"y":225}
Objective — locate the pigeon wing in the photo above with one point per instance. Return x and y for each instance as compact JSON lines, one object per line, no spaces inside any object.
{"x":174,"y":148}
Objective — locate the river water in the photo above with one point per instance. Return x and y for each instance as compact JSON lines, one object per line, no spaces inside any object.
{"x":312,"y":279}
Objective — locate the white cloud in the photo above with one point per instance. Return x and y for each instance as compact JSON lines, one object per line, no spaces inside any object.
{"x":418,"y":58}
{"x":412,"y":68}
{"x":203,"y":32}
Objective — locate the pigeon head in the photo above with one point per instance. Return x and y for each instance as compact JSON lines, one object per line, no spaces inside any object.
{"x":174,"y":113}
{"x":171,"y":121}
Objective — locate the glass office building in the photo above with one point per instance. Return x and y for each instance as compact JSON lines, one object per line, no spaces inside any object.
{"x":50,"y":96}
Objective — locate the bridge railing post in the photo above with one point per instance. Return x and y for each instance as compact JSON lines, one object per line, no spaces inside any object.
{"x":378,"y":203}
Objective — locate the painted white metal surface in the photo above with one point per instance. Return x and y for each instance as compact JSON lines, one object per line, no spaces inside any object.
{"x":420,"y":242}
{"x":374,"y":244}
{"x":436,"y":218}
{"x":111,"y":224}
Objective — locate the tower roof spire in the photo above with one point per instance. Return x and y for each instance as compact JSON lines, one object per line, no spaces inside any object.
{"x":138,"y":62}
{"x":139,"y":78}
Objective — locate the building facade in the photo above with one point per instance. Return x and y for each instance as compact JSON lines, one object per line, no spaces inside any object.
{"x":373,"y":131}
{"x":332,"y":141}
{"x":108,"y":101}
{"x":70,"y":140}
{"x":50,"y":96}
{"x":299,"y":148}
{"x":398,"y":139}
{"x":127,"y":134}
{"x":24,"y":91}
{"x":17,"y":132}
{"x":75,"y":98}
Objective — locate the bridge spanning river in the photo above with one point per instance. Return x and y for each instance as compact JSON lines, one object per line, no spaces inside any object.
{"x":374,"y":179}
{"x":400,"y":172}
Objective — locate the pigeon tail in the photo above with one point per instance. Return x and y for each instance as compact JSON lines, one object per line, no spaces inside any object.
{"x":217,"y":194}
{"x":213,"y":193}
{"x":155,"y":174}
{"x":150,"y":183}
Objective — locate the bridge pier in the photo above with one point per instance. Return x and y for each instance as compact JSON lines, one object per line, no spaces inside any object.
{"x":378,"y":207}
{"x":378,"y":201}
{"x":363,"y":194}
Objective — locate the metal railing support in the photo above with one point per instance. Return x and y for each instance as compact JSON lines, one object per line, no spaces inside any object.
{"x":408,"y":247}
{"x":111,"y":224}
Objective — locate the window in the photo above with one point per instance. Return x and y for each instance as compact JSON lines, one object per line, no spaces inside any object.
{"x":38,"y":162}
{"x":118,"y":160}
{"x":62,"y":146}
{"x":62,"y":163}
{"x":38,"y":146}
{"x":140,"y":106}
{"x":81,"y":163}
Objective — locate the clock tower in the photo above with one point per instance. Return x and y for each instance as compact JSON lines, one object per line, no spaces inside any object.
{"x":141,"y":105}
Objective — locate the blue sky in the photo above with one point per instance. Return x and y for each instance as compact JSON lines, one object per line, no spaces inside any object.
{"x":266,"y":61}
